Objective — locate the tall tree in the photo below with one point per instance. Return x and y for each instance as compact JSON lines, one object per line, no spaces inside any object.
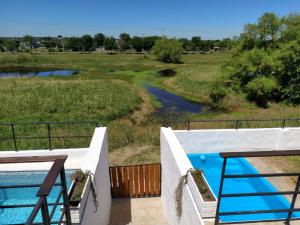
{"x":124,"y":42}
{"x":137,"y":43}
{"x":149,"y":42}
{"x":110,"y":44}
{"x":87,"y":42}
{"x":29,"y":41}
{"x":99,"y":40}
{"x":196,"y":43}
{"x":73,"y":44}
{"x":268,"y":28}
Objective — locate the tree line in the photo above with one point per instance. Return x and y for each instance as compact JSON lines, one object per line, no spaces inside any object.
{"x":124,"y":42}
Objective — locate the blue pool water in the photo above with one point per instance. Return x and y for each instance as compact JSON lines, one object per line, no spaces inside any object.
{"x":211,"y":165}
{"x":13,"y":196}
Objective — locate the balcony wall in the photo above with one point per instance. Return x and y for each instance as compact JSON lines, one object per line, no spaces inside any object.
{"x":223,"y":140}
{"x":174,"y":164}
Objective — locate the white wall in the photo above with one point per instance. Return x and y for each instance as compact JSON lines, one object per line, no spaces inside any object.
{"x":222,"y":140}
{"x":97,"y":163}
{"x":174,"y":164}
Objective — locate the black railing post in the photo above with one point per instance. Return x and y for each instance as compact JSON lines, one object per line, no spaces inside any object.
{"x":65,"y":197}
{"x":283,"y":123}
{"x":14,"y":136}
{"x":189,"y":125}
{"x":49,"y":135}
{"x":237,"y":124}
{"x":45,"y":211}
{"x":217,"y":219}
{"x":293,"y":201}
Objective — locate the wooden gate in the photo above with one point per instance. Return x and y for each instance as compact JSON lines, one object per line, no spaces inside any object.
{"x":135,"y":180}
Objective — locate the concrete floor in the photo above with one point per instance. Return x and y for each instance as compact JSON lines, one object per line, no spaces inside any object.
{"x":137,"y":211}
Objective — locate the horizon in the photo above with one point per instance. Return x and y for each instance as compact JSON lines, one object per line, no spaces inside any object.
{"x":212,"y":20}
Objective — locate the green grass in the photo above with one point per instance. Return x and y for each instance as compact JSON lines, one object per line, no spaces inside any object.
{"x":108,"y":89}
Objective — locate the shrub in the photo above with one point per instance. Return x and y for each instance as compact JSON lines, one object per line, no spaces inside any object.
{"x":260,"y":90}
{"x":168,"y":50}
{"x":217,"y":95}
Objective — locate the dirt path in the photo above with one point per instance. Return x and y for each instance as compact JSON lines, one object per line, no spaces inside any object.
{"x":145,"y":111}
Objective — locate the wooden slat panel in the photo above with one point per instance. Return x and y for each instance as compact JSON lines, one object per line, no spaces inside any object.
{"x":120,"y":181}
{"x":147,"y":179}
{"x":125,"y":180}
{"x":141,"y":179}
{"x":157,"y":179}
{"x":130,"y":177}
{"x":115,"y":189}
{"x":136,"y":181}
{"x":151,"y":188}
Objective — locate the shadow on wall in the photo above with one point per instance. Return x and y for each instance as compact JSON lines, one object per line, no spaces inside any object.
{"x":120,"y":213}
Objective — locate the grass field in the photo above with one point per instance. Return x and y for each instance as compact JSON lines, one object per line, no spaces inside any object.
{"x":108,"y":89}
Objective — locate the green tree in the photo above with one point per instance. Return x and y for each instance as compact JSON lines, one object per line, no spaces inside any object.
{"x":196,"y":43}
{"x":186,"y":44}
{"x":11,"y":45}
{"x":29,"y":41}
{"x":74,"y":44}
{"x":268,"y":28}
{"x":168,"y":50}
{"x":87,"y":42}
{"x":2,"y":45}
{"x":149,"y":42}
{"x":137,"y":43}
{"x":110,"y":43}
{"x":99,"y":40}
{"x":260,"y":90}
{"x":124,"y":42}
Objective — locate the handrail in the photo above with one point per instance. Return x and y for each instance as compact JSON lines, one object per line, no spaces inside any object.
{"x":56,"y":170}
{"x":290,"y":210}
{"x":260,"y":153}
{"x":31,"y":159}
{"x":236,"y":122}
{"x":50,"y":179}
{"x":49,"y":135}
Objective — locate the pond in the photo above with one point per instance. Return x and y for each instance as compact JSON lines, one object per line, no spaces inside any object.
{"x":29,"y":72}
{"x":173,"y":103}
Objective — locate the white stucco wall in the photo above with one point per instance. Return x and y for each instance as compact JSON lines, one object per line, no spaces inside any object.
{"x":97,"y":163}
{"x":75,"y":159}
{"x":174,"y":164}
{"x":223,"y":140}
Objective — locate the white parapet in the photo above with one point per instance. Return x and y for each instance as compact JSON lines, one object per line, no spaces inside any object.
{"x":224,"y":140}
{"x":175,"y":164}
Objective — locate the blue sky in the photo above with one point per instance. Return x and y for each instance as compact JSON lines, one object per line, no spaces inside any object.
{"x":210,"y":19}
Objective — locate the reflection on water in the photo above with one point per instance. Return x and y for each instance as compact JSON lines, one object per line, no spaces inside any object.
{"x":28,"y":73}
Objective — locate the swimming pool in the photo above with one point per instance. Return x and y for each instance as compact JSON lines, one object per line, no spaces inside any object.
{"x":211,"y":165}
{"x":13,"y":196}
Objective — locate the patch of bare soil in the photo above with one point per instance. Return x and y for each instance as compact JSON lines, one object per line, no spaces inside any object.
{"x":119,"y":156}
{"x":145,"y":111}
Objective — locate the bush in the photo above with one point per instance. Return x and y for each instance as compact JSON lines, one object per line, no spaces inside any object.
{"x":260,"y":90}
{"x":217,"y":95}
{"x":168,"y":50}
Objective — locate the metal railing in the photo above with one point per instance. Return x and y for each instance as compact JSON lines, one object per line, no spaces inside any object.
{"x":235,"y":123}
{"x":8,"y":132}
{"x":289,"y":211}
{"x":42,"y":205}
